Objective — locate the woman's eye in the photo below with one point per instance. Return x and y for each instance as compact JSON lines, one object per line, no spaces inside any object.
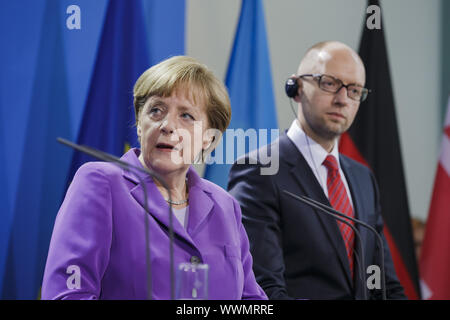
{"x":187,"y":116}
{"x":155,"y":111}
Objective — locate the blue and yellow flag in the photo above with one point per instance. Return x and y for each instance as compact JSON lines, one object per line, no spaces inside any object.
{"x":249,"y":81}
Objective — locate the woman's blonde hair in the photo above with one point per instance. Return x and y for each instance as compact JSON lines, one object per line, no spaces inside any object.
{"x":181,"y":72}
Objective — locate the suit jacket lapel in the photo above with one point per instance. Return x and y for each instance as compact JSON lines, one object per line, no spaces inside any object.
{"x":306,"y":179}
{"x":200,"y":203}
{"x":359,"y":210}
{"x":358,"y":203}
{"x":157,"y":206}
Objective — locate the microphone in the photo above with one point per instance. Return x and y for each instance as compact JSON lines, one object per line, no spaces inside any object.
{"x":339,"y":215}
{"x":360,"y":263}
{"x":127,"y":166}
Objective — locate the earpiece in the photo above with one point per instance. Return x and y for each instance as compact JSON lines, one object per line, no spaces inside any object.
{"x":291,"y":87}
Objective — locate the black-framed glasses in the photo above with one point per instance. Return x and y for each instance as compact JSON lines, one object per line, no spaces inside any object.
{"x":333,"y":85}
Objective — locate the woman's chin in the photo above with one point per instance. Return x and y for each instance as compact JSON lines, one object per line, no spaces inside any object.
{"x":167,"y":166}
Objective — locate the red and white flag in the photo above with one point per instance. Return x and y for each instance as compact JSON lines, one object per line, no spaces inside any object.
{"x":435,"y":256}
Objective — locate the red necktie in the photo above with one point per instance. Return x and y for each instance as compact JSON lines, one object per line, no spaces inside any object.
{"x":337,"y":195}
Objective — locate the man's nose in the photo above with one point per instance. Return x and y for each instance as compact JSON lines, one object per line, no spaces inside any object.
{"x":341,"y":97}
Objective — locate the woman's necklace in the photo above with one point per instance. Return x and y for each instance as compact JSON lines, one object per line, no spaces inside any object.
{"x":177,"y":202}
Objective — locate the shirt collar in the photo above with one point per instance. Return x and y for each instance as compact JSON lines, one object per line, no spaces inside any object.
{"x":308,"y":147}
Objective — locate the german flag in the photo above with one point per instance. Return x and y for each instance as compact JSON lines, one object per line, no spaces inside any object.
{"x":373,"y":140}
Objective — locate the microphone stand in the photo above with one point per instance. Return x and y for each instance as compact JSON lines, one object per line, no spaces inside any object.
{"x":110,"y":158}
{"x":372,"y":229}
{"x":321,"y":210}
{"x":320,"y":206}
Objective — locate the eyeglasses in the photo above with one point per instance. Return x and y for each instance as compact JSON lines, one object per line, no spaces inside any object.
{"x":333,"y":85}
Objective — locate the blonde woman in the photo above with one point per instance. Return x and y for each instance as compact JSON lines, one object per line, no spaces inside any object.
{"x":100,"y":226}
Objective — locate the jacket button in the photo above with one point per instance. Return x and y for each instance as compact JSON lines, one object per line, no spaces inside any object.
{"x":195,"y":260}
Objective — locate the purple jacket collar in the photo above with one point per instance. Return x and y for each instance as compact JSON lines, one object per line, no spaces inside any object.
{"x":200,"y":202}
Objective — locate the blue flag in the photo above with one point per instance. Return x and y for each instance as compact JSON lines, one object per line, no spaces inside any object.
{"x":33,"y":181}
{"x":108,"y":119}
{"x":249,"y":82}
{"x":61,"y":82}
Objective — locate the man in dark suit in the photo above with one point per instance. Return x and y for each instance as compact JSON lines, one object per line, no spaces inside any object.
{"x":298,"y":252}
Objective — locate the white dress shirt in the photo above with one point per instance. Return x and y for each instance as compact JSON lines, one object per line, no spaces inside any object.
{"x":315,"y":155}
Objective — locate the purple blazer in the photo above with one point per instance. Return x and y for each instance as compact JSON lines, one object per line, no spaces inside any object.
{"x":97,"y":250}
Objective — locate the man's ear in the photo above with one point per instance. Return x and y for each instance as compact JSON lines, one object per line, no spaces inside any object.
{"x":298,"y":97}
